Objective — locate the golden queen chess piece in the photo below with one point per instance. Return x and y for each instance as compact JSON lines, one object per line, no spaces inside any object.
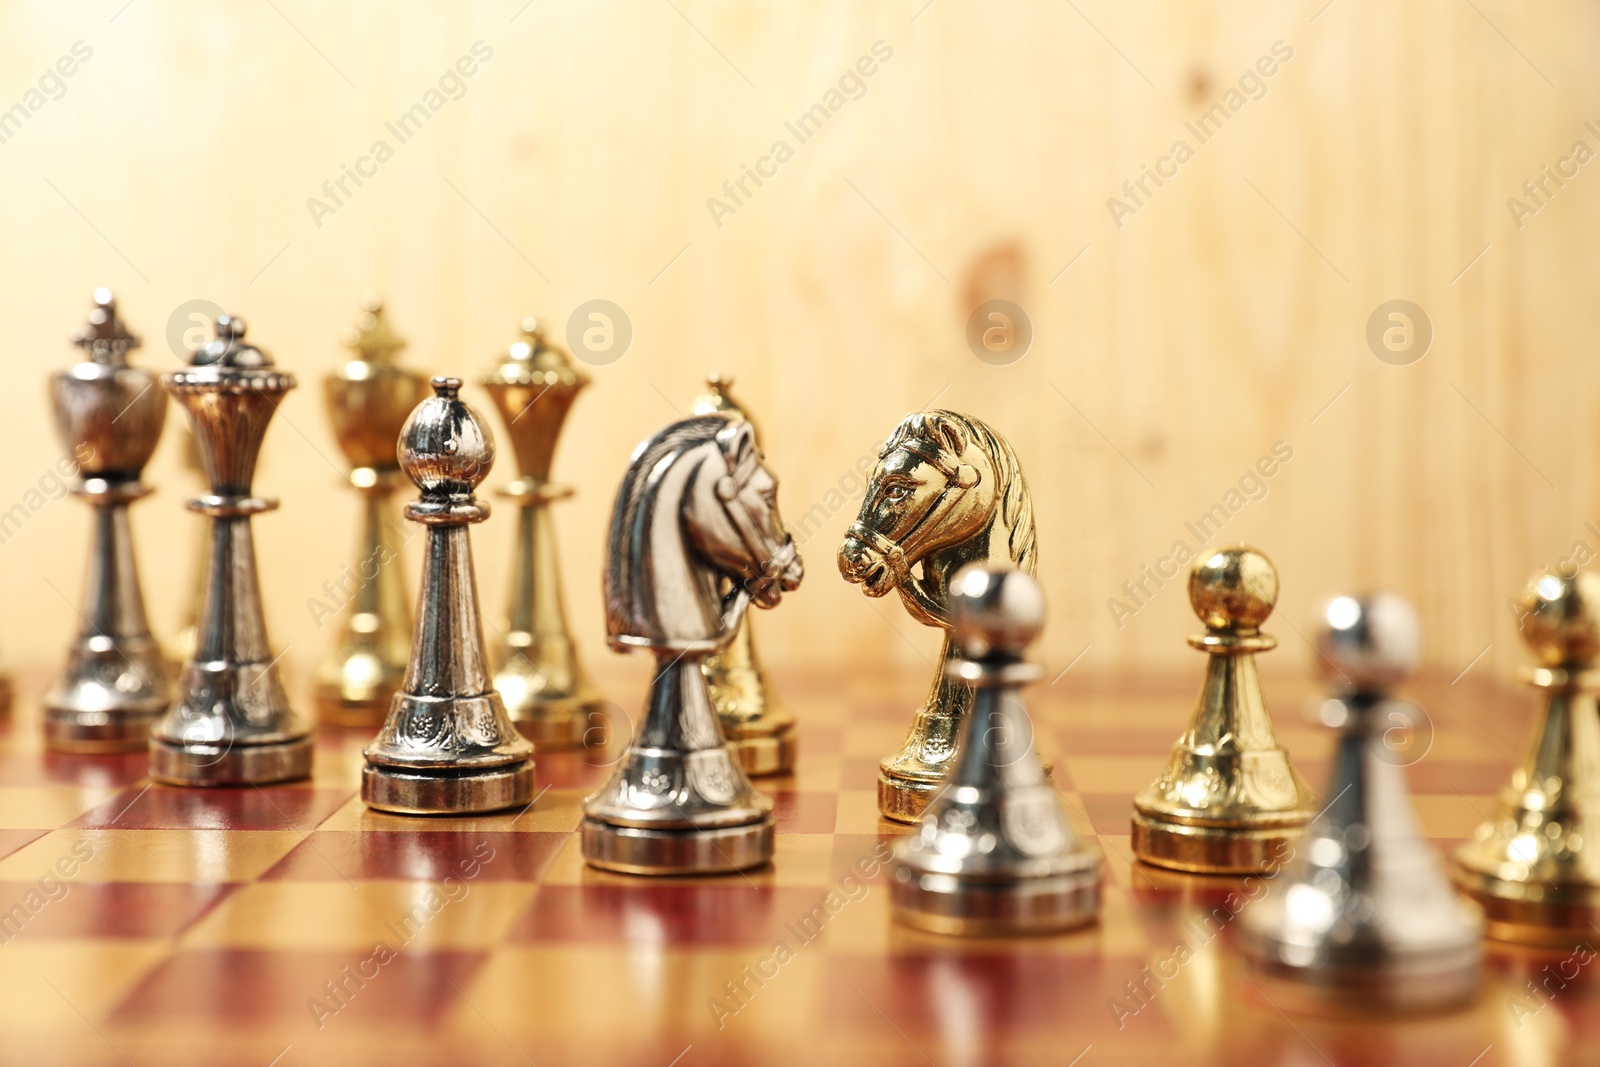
{"x":231,"y":722}
{"x":695,"y":539}
{"x":368,"y":400}
{"x":760,"y":730}
{"x":447,"y":747}
{"x":1534,"y":866}
{"x":536,"y":666}
{"x":995,"y":853}
{"x":1229,"y":800}
{"x":1364,"y":917}
{"x":947,"y":491}
{"x":117,"y":680}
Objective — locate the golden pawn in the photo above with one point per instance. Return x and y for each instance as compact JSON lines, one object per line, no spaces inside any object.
{"x":368,"y":400}
{"x":1228,"y":800}
{"x":1534,"y":867}
{"x":536,"y":667}
{"x":754,"y":722}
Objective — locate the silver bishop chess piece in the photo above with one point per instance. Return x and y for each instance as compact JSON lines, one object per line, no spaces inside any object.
{"x":695,"y":539}
{"x":110,"y":416}
{"x":994,"y":853}
{"x":231,"y":722}
{"x":1364,"y":916}
{"x":448,"y":747}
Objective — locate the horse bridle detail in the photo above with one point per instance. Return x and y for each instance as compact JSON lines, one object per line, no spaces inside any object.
{"x":958,"y":479}
{"x":776,"y":559}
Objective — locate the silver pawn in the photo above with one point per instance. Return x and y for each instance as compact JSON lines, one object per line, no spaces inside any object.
{"x":1364,"y":915}
{"x":995,"y":853}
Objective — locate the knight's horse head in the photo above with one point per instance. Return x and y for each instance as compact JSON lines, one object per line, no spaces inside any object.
{"x":939,"y":482}
{"x":695,"y":536}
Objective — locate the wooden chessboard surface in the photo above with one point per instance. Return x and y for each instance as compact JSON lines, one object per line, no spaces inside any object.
{"x":149,"y":925}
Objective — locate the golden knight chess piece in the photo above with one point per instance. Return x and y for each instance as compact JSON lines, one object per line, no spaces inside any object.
{"x":536,"y":665}
{"x":110,"y":415}
{"x":995,"y":854}
{"x":1364,"y":916}
{"x":1534,"y":866}
{"x":448,"y":747}
{"x":947,"y":491}
{"x":695,"y":539}
{"x":368,"y":400}
{"x":758,"y":727}
{"x":231,"y":722}
{"x":1229,"y":801}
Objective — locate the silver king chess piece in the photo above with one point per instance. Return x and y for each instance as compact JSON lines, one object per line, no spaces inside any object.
{"x":368,"y":398}
{"x":1364,"y":916}
{"x":110,"y":416}
{"x":753,"y":721}
{"x":994,"y":853}
{"x":231,"y":722}
{"x":695,"y":538}
{"x":947,"y":491}
{"x":448,"y":747}
{"x":536,"y":665}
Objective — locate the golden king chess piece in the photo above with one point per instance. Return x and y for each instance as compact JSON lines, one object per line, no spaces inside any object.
{"x":995,"y":853}
{"x":368,"y":400}
{"x":1364,"y":917}
{"x":947,"y":491}
{"x":447,"y":747}
{"x":753,"y":721}
{"x":536,"y":666}
{"x":1229,"y":801}
{"x":1534,"y":867}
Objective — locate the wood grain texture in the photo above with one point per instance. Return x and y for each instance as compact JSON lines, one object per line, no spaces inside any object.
{"x":1223,"y":316}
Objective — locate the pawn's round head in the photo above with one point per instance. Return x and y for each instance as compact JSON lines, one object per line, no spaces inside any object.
{"x":1561,"y":618}
{"x":445,"y":446}
{"x":1233,"y":588}
{"x":995,"y":612}
{"x":228,"y":349}
{"x":1367,"y":644}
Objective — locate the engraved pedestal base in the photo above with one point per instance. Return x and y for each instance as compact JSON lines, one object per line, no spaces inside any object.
{"x":945,"y":904}
{"x":764,"y":746}
{"x":720,"y":850}
{"x":1531,"y":913}
{"x":204,"y":765}
{"x":414,"y":791}
{"x":91,"y":732}
{"x":1212,"y":849}
{"x":1433,"y":983}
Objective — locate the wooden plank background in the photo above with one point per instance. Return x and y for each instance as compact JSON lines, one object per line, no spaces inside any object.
{"x":1227,"y":313}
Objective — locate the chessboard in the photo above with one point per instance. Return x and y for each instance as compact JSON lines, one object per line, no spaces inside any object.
{"x":286,"y":925}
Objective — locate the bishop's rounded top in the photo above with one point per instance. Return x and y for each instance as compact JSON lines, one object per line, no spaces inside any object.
{"x":1367,"y":644}
{"x":1234,"y":588}
{"x":229,"y":349}
{"x":103,"y":336}
{"x":445,"y":446}
{"x":1561,"y":618}
{"x":995,"y":612}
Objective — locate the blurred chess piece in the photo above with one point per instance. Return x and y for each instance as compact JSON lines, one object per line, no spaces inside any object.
{"x":1364,"y":916}
{"x":368,"y":400}
{"x":695,"y":538}
{"x":1534,"y":867}
{"x":947,"y":491}
{"x":183,"y":642}
{"x":231,"y":722}
{"x":1228,"y":801}
{"x":995,"y":853}
{"x":110,"y":417}
{"x":536,"y":665}
{"x":753,"y":721}
{"x":447,"y":747}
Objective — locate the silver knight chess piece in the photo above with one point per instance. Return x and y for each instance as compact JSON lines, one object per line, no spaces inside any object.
{"x":758,"y":727}
{"x":536,"y":666}
{"x":231,"y":723}
{"x":1364,"y":916}
{"x":110,"y":416}
{"x":947,"y":491}
{"x":695,"y":538}
{"x":995,"y":853}
{"x":447,"y":747}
